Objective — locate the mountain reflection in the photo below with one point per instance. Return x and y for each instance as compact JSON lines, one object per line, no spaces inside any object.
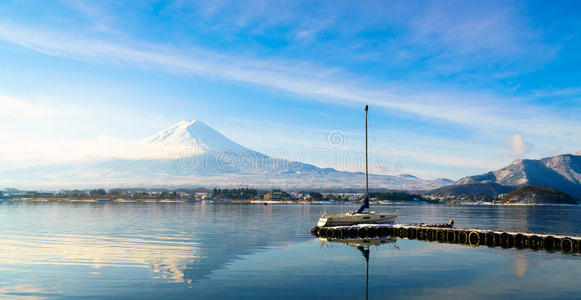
{"x":163,"y":255}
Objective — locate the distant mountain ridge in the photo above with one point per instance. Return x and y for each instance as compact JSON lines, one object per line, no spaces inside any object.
{"x":481,"y":188}
{"x":207,"y":158}
{"x":561,"y":172}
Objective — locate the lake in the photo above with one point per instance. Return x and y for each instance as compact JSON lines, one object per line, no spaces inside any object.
{"x":218,"y":250}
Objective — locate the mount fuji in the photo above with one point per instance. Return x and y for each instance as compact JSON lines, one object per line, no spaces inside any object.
{"x":196,"y":155}
{"x":195,"y":134}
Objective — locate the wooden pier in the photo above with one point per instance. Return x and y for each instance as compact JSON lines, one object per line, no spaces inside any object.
{"x":446,"y":233}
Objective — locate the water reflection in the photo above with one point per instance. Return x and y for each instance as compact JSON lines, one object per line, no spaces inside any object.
{"x":209,"y":251}
{"x":364,"y":246}
{"x":166,"y":257}
{"x":520,"y":264}
{"x":25,"y":291}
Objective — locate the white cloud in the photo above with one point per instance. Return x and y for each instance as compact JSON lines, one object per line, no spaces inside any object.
{"x":476,"y":110}
{"x":518,"y":146}
{"x":10,"y":107}
{"x":19,"y":151}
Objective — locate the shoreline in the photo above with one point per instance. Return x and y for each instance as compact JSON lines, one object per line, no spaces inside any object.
{"x":268,"y":202}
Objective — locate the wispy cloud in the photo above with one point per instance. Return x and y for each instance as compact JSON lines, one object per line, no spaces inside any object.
{"x":10,"y":107}
{"x":470,"y":27}
{"x":100,"y":19}
{"x":334,"y":85}
{"x":24,"y":151}
{"x":443,"y":37}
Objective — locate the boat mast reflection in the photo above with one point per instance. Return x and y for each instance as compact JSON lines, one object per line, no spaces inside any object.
{"x":365,"y":251}
{"x":364,"y":246}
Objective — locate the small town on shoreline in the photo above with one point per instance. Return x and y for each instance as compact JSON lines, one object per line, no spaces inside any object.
{"x":528,"y":193}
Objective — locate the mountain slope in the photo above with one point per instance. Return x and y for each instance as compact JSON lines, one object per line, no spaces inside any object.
{"x":562,"y":173}
{"x":492,"y":189}
{"x":205,"y":158}
{"x":197,"y":135}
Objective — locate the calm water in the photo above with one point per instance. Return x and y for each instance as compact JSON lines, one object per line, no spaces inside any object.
{"x":193,"y":250}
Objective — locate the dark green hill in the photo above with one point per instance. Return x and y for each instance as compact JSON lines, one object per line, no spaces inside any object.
{"x":531,"y":194}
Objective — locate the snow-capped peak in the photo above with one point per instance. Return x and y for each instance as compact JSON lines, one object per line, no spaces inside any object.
{"x":195,"y":135}
{"x":404,"y":175}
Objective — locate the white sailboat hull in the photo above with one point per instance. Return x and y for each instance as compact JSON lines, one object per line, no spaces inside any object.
{"x":354,"y":219}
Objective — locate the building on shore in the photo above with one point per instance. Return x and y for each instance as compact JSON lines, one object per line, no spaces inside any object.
{"x":277,"y":196}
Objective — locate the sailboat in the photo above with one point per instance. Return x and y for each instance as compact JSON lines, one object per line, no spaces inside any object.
{"x":360,"y":216}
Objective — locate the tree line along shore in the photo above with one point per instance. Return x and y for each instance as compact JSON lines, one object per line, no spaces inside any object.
{"x":526,"y":195}
{"x":200,"y":194}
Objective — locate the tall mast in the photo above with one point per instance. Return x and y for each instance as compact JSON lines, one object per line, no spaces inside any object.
{"x":366,"y":162}
{"x":366,"y":200}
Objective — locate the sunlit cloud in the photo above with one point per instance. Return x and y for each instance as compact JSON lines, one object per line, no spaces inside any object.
{"x":518,"y":146}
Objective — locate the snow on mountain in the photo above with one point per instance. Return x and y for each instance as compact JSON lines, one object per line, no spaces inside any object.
{"x":407,"y":176}
{"x":196,"y":135}
{"x":561,"y":172}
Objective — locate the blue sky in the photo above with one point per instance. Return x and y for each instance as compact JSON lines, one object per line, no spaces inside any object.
{"x":455,"y":88}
